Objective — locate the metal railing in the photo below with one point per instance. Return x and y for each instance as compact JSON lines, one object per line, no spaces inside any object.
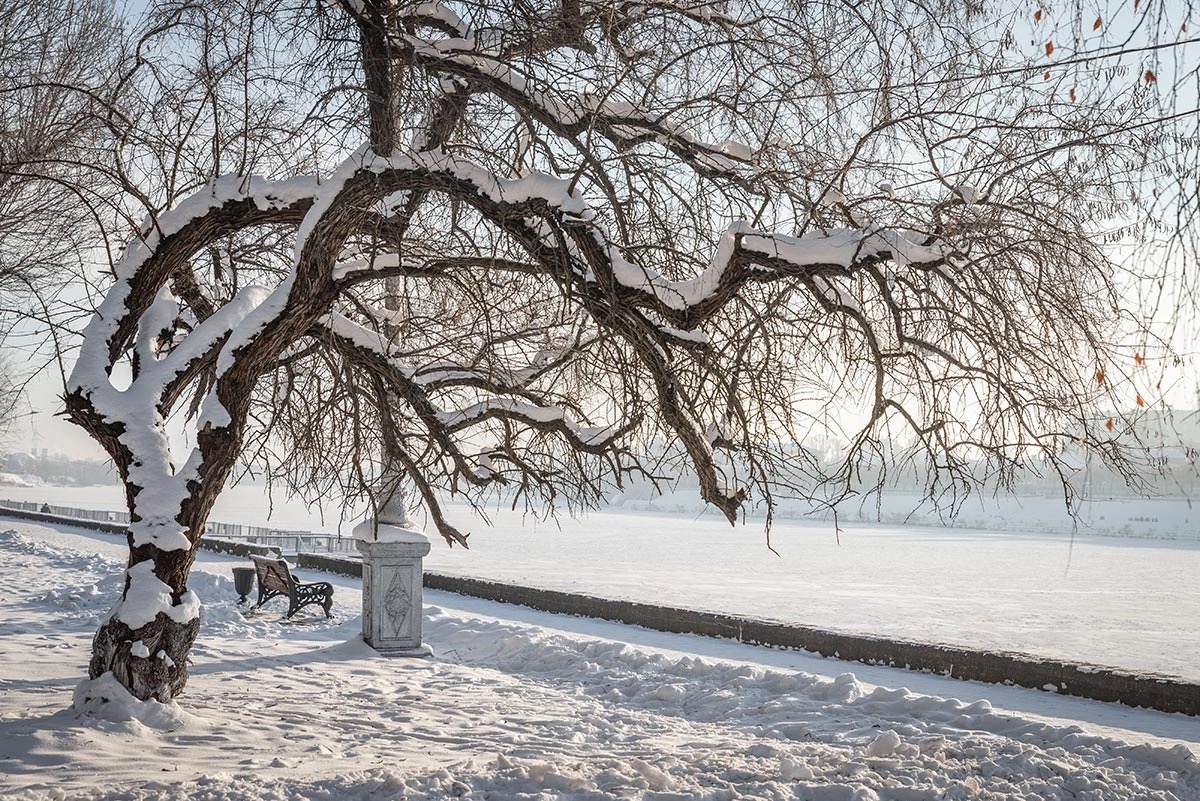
{"x":286,"y":540}
{"x":66,"y":511}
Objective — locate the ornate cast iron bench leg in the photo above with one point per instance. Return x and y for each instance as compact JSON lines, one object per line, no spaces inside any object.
{"x":302,"y":595}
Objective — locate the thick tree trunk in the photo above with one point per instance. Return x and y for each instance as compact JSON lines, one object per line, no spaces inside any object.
{"x":157,"y":673}
{"x":151,"y":660}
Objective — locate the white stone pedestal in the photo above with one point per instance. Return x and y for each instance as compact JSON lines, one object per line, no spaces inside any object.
{"x":391,"y":581}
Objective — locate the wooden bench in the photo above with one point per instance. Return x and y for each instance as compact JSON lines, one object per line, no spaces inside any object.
{"x":275,"y":579}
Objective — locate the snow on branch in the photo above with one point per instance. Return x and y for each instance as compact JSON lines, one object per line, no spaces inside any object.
{"x":591,"y":439}
{"x":550,"y":205}
{"x":770,"y":255}
{"x":140,"y":313}
{"x":227,"y":204}
{"x":436,"y":15}
{"x":440,"y":374}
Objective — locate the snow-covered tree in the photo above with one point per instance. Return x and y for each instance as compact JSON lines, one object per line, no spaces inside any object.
{"x":519,"y":247}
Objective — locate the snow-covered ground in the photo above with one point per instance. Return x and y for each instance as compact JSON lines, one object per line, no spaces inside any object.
{"x":524,"y":705}
{"x":1125,"y":603}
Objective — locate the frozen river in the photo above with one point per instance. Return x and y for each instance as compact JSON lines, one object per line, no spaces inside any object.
{"x":1132,"y":604}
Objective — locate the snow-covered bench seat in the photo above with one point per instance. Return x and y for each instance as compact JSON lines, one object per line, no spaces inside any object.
{"x":275,"y":579}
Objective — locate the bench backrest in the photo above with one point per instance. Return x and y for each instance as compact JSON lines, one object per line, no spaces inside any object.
{"x":273,"y":573}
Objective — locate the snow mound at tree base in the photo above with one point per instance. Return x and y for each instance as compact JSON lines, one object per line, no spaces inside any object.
{"x":105,"y":699}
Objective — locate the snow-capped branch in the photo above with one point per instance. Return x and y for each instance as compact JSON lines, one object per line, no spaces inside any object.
{"x":743,"y":254}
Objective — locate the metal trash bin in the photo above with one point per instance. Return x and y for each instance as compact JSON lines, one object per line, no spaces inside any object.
{"x":243,"y":582}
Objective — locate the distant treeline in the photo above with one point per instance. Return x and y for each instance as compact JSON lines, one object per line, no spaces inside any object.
{"x":60,"y":469}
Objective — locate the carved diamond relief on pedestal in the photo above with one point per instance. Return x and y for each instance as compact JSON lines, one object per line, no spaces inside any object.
{"x":397,"y":602}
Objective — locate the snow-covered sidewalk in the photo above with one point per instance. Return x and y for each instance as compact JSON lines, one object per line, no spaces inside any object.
{"x":1128,"y":604}
{"x":520,"y":704}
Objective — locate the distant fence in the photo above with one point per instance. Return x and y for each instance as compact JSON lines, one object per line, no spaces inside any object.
{"x":66,"y":511}
{"x":281,"y":540}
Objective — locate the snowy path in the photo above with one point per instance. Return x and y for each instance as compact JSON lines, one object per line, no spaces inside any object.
{"x":1129,"y":604}
{"x":520,"y":704}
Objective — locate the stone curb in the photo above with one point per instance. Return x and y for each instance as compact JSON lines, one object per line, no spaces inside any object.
{"x":1095,"y":682}
{"x":1164,"y":693}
